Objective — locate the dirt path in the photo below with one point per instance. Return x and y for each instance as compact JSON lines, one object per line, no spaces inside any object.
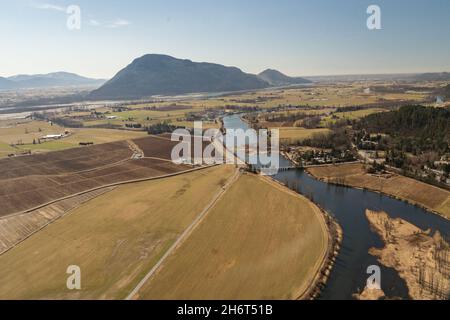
{"x":137,"y":152}
{"x":134,"y":294}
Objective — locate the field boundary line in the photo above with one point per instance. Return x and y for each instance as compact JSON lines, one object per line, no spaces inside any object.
{"x":74,"y":172}
{"x":156,"y":158}
{"x":75,"y":148}
{"x":186,"y":233}
{"x":107,"y":186}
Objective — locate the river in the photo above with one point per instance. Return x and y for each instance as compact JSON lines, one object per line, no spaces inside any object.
{"x":348,"y":206}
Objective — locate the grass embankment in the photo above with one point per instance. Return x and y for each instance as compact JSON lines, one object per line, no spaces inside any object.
{"x":115,"y":239}
{"x":260,"y":241}
{"x":413,"y":191}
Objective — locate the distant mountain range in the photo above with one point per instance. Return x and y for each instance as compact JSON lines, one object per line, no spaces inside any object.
{"x":276,"y":78}
{"x":156,"y":74}
{"x":431,"y":76}
{"x":434,"y":76}
{"x":5,"y":83}
{"x":56,"y":79}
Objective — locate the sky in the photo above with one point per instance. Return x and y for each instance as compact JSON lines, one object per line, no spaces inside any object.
{"x":297,"y":37}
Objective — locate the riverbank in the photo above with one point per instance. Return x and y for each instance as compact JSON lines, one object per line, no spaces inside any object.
{"x":335,"y":236}
{"x":419,"y":257}
{"x":428,"y":197}
{"x":288,"y":156}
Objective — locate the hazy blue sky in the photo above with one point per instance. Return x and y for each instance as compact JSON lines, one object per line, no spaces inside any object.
{"x":298,"y":37}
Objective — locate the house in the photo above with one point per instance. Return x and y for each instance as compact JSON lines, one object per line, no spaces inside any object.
{"x":52,"y":136}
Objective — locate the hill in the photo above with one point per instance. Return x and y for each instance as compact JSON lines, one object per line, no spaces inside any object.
{"x":434,"y":76}
{"x":56,"y":79}
{"x":5,"y":84}
{"x":276,"y":78}
{"x":155,"y":74}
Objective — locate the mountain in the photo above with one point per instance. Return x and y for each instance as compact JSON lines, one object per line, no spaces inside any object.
{"x":434,"y":76}
{"x":5,"y":84}
{"x":155,"y":74}
{"x":56,"y":79}
{"x":276,"y":78}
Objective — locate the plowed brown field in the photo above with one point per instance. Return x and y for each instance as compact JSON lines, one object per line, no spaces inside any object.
{"x":32,"y":181}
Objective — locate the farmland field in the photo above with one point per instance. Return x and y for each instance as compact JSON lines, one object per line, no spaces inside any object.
{"x":416,"y":192}
{"x":67,"y":161}
{"x":16,"y":228}
{"x":115,"y":239}
{"x":13,"y":131}
{"x":293,"y":135}
{"x":260,"y":241}
{"x":27,"y":182}
{"x":157,"y":147}
{"x":23,"y":133}
{"x":352,"y":115}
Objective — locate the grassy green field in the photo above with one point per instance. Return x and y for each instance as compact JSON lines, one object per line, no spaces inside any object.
{"x":292,"y":134}
{"x":144,"y":117}
{"x":6,"y":149}
{"x":353,"y":115}
{"x":260,"y":241}
{"x":25,"y":131}
{"x":115,"y":239}
{"x":28,"y":131}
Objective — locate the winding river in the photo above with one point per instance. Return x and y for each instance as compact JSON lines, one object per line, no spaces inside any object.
{"x":348,"y":206}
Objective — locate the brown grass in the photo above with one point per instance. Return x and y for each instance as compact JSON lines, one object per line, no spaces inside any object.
{"x":259,"y":242}
{"x":115,"y":239}
{"x":420,"y":258}
{"x":414,"y":191}
{"x":16,"y":228}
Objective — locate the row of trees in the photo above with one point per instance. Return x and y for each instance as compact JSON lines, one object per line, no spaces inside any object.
{"x":163,"y":127}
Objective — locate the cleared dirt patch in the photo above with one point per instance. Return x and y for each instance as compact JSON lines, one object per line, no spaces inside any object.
{"x":157,"y":147}
{"x":161,"y":146}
